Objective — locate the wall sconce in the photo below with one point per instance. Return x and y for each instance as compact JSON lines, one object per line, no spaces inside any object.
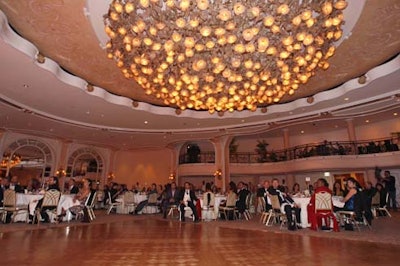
{"x":218,"y":173}
{"x":171,"y":176}
{"x":110,"y":176}
{"x":61,"y":172}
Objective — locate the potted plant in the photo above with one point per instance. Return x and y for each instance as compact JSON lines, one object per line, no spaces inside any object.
{"x":261,"y":150}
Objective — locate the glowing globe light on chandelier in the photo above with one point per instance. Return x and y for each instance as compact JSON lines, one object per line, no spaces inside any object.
{"x":221,"y":55}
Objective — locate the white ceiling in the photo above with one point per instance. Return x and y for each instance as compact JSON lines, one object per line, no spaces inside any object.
{"x":45,"y":100}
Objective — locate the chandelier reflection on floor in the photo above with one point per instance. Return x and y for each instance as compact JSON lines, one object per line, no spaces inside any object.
{"x":222,"y":55}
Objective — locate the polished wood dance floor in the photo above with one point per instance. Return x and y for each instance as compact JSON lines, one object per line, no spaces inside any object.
{"x":154,"y":241}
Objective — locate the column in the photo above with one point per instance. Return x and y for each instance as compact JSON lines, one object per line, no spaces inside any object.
{"x":174,"y":164}
{"x":62,"y":162}
{"x":221,"y":146}
{"x":351,"y":131}
{"x":286,"y":143}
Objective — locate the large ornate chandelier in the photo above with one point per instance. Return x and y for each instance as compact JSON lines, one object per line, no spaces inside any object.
{"x":10,"y":161}
{"x":222,"y":55}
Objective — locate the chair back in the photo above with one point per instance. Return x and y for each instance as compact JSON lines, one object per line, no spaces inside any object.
{"x":248,"y":201}
{"x":90,"y":201}
{"x":231,"y":199}
{"x":208,"y":199}
{"x":153,"y":198}
{"x":261,"y":203}
{"x":323,"y":201}
{"x":276,"y":205}
{"x":51,"y":198}
{"x":129,"y":197}
{"x":376,"y":199}
{"x":9,"y":198}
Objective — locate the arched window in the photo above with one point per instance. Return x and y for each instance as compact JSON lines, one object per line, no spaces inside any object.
{"x":85,"y":162}
{"x":27,"y":158}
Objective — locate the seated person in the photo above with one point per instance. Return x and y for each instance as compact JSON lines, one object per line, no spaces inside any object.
{"x":337,"y":189}
{"x":287,"y":204}
{"x":14,"y":185}
{"x":265,"y":195}
{"x":153,"y":193}
{"x":228,"y":206}
{"x":171,"y":198}
{"x":187,"y":199}
{"x":356,"y":201}
{"x":79,"y":202}
{"x":382,"y":194}
{"x":242,"y":196}
{"x":53,"y":183}
{"x":208,"y":197}
{"x":73,"y":188}
{"x":296,"y":189}
{"x":322,"y":186}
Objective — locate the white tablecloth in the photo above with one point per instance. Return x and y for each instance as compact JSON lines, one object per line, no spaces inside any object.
{"x":137,"y":198}
{"x":66,"y":202}
{"x":337,"y":201}
{"x":302,"y":203}
{"x":30,"y":200}
{"x":218,"y":199}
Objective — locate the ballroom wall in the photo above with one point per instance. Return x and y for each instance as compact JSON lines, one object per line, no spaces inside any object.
{"x":145,"y":167}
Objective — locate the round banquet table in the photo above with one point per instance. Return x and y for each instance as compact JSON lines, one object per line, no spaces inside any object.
{"x":302,"y":202}
{"x":30,"y":200}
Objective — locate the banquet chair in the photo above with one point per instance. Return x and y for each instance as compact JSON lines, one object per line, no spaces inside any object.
{"x":171,"y":209}
{"x":129,"y":201}
{"x":10,"y":205}
{"x":264,"y":213}
{"x":224,"y":211}
{"x":323,"y":209}
{"x":260,"y":206}
{"x":112,"y":205}
{"x":247,"y":215}
{"x":275,"y":214}
{"x":350,"y":217}
{"x":377,"y":208}
{"x":50,"y":202}
{"x":152,"y":204}
{"x":207,"y":211}
{"x":89,"y":205}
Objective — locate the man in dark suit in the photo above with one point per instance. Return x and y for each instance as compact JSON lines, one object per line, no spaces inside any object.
{"x":187,"y":198}
{"x":287,"y":203}
{"x":14,"y":185}
{"x":73,"y":188}
{"x":242,"y":196}
{"x":263,"y":192}
{"x":171,"y":198}
{"x":3,"y":186}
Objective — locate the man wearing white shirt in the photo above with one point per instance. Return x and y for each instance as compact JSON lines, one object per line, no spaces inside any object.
{"x":187,"y":199}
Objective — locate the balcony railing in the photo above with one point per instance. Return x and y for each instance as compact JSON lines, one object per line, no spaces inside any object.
{"x":325,"y":148}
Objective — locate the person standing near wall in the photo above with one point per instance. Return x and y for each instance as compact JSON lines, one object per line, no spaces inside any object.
{"x":390,"y":185}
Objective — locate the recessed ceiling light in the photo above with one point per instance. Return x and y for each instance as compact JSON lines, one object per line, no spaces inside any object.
{"x":302,"y":132}
{"x":346,"y":99}
{"x":242,"y":120}
{"x":367,"y":121}
{"x":395,"y":114}
{"x":146,"y":122}
{"x":87,"y":112}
